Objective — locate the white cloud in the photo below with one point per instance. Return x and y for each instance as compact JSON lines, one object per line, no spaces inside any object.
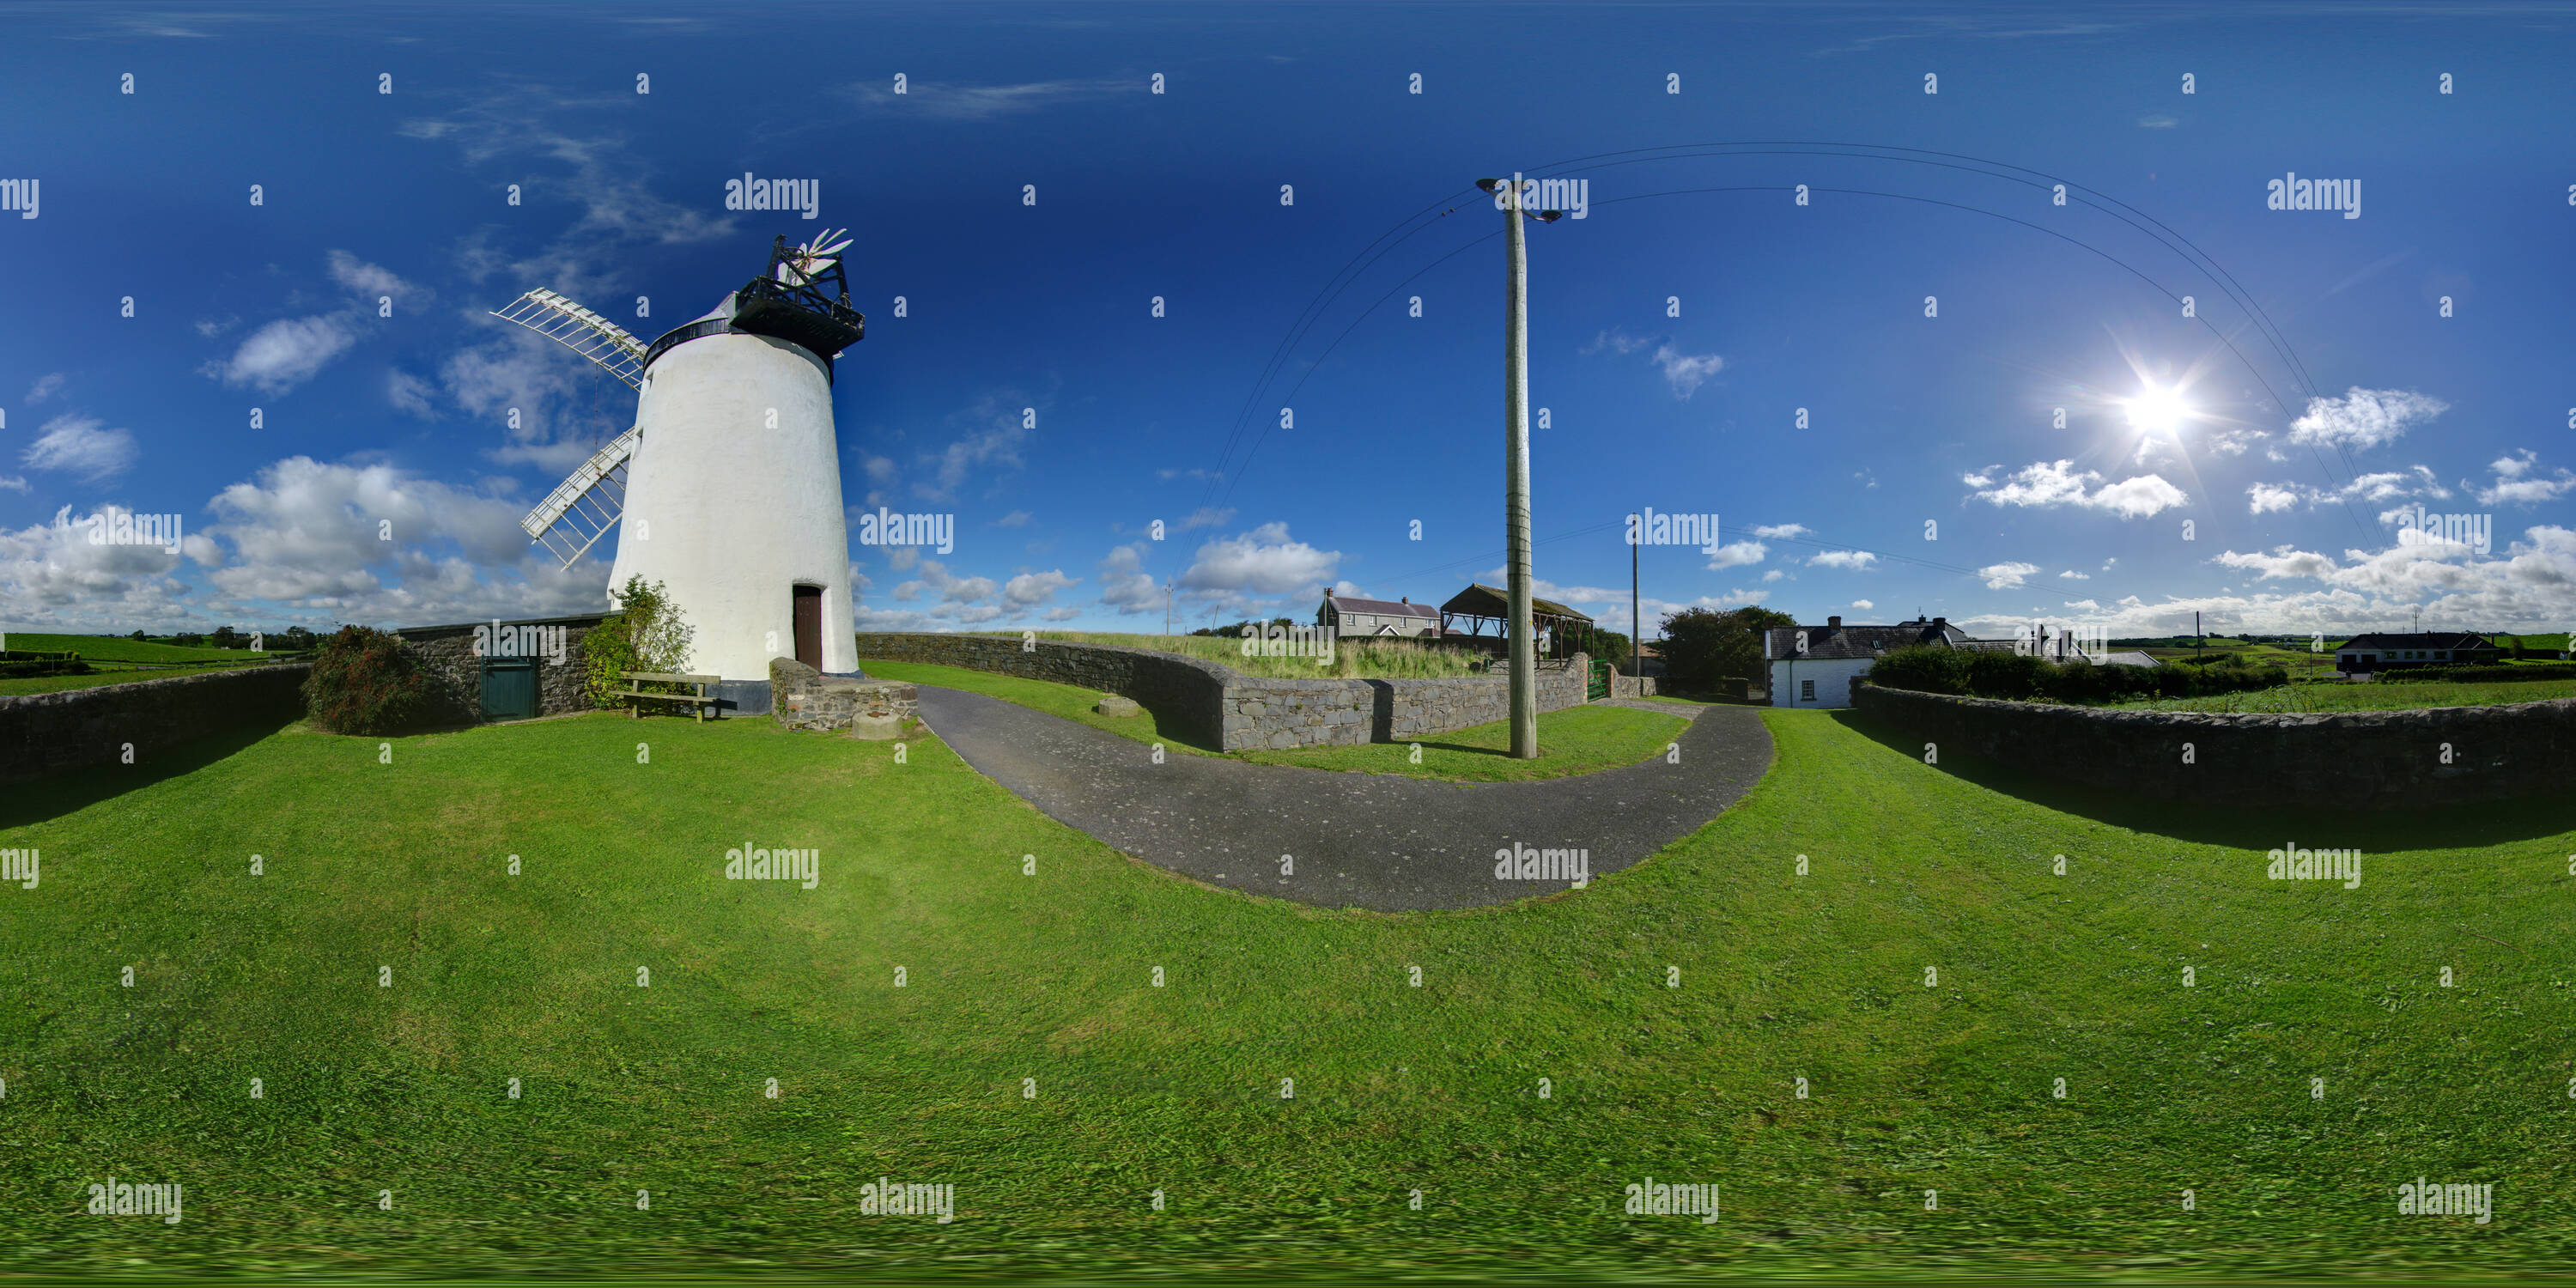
{"x":2157,"y":121}
{"x":1863,"y":605}
{"x":2054,"y":483}
{"x":1780,"y":531}
{"x":1124,"y":585}
{"x":1030,"y":589}
{"x":2519,"y":482}
{"x":1687,"y":372}
{"x":2006,"y":576}
{"x":2283,"y":561}
{"x":2072,"y":575}
{"x":1204,"y":517}
{"x":46,"y":386}
{"x":407,"y":392}
{"x":1737,"y":554}
{"x":2267,"y":498}
{"x":949,"y":102}
{"x":287,"y":352}
{"x":1773,"y":575}
{"x":2084,"y":604}
{"x":369,"y":280}
{"x":1263,"y":561}
{"x":1853,"y":559}
{"x":76,"y":445}
{"x":2364,"y":418}
{"x":12,"y":483}
{"x":1015,"y":519}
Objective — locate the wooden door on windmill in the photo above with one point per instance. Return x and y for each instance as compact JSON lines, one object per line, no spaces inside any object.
{"x":809,"y":626}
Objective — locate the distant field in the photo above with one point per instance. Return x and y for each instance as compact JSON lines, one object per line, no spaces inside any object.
{"x":1388,"y":660}
{"x":21,"y":686}
{"x":99,"y":648}
{"x":2362,"y":697}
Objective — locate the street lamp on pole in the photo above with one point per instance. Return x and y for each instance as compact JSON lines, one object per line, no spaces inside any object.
{"x":1511,"y":197}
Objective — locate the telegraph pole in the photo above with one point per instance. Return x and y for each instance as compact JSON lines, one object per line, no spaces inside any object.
{"x":1516,"y":484}
{"x":1636,"y":626}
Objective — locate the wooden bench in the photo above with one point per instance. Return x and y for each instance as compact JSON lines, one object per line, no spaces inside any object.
{"x":634,"y":690}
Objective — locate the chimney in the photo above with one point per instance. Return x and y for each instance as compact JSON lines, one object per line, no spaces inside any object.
{"x":1833,"y":623}
{"x":1940,"y":623}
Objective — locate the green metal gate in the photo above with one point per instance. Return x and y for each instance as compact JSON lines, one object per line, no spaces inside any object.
{"x":509,"y":688}
{"x":1599,"y":685}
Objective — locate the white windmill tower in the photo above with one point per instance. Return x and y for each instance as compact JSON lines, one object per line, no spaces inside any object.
{"x":729,"y":485}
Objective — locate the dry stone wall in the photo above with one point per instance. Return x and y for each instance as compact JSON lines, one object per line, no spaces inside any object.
{"x":1218,"y":707}
{"x":455,"y":670}
{"x":2348,"y":760}
{"x":43,"y":734}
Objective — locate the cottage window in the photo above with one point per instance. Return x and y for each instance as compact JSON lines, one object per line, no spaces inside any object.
{"x":1806,"y":690}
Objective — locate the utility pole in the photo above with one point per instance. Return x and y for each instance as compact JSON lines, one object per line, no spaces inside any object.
{"x":1509,"y":196}
{"x":1167,"y":606}
{"x":1636,"y":624}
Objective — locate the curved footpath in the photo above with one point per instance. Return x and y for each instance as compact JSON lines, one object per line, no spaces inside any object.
{"x":1378,"y":841}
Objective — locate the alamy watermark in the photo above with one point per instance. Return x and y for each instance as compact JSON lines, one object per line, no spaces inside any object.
{"x":803,"y":196}
{"x":1650,"y":528}
{"x":2425,"y":1198}
{"x":1573,"y":196}
{"x":118,"y":1199}
{"x":119,"y":527}
{"x":2290,"y":192}
{"x":1655,"y":1198}
{"x":883,"y":1197}
{"x":886,"y":528}
{"x":19,"y":195}
{"x":748,"y":864}
{"x":19,"y":866}
{"x":497,"y":640}
{"x":2290,"y":863}
{"x":1291,"y":640}
{"x":2418,"y":527}
{"x":1521,"y":862}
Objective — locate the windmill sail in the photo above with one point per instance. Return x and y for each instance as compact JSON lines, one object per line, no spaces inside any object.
{"x":585,"y":505}
{"x":580,"y":330}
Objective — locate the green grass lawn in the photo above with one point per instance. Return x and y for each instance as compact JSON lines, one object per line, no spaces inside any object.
{"x":1396,"y":1088}
{"x":2361,"y":697}
{"x":1578,"y":740}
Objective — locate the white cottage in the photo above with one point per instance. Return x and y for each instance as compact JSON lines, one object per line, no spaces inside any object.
{"x":1814,"y":666}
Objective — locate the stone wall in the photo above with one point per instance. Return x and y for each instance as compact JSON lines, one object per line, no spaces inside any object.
{"x":1217,"y":706}
{"x":2348,"y":760}
{"x":447,"y":654}
{"x":42,"y":734}
{"x":804,"y":698}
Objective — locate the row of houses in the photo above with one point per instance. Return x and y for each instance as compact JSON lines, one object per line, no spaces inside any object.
{"x":1814,"y":666}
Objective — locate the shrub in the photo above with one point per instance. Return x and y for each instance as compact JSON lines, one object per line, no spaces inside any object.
{"x":1922,"y":668}
{"x":2016,"y":676}
{"x":1702,"y":646}
{"x":365,"y":682}
{"x":648,"y":633}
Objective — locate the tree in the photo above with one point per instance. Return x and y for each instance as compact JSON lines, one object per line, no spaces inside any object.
{"x":647,"y":633}
{"x":135,"y":636}
{"x":225,"y":638}
{"x":1703,"y":646}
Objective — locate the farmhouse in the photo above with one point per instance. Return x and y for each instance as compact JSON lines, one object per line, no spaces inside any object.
{"x":1346,"y":615}
{"x":2397,"y":651}
{"x":1814,"y":666}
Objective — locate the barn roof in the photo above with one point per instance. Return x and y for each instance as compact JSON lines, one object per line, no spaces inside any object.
{"x":1382,"y":607}
{"x":1480,"y":600}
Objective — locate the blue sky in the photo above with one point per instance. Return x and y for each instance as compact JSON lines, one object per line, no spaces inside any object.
{"x":2302,"y":430}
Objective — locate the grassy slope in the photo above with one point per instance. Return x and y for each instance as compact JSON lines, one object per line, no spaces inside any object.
{"x":1396,"y":1088}
{"x":2363,"y":697}
{"x":1579,"y":740}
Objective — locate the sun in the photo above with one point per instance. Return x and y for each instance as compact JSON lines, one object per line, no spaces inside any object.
{"x":2158,"y":411}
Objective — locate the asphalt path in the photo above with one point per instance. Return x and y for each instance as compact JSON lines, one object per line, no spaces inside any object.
{"x":1353,"y":840}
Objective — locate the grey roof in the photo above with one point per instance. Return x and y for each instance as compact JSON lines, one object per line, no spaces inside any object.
{"x":1382,"y":607}
{"x":2129,"y":657}
{"x":2427,"y":639}
{"x":1827,"y":642}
